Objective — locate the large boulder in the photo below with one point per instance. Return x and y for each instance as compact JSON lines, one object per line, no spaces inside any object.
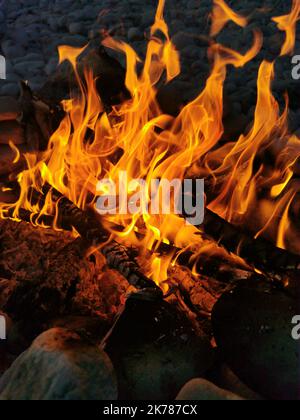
{"x":155,"y":351}
{"x":60,"y":366}
{"x":253,"y":329}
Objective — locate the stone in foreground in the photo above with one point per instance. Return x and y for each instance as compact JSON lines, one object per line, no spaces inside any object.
{"x":202,"y":390}
{"x":60,"y":366}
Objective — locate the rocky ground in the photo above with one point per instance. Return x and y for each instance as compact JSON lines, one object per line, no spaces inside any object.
{"x":31,"y":30}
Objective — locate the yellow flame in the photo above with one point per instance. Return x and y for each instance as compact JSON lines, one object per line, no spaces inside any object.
{"x":152,"y":146}
{"x":222,"y":14}
{"x":16,"y":150}
{"x":288,"y":24}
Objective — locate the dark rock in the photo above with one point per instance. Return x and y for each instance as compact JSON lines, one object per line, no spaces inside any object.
{"x":76,"y":28}
{"x":10,"y":89}
{"x":155,"y":351}
{"x":60,"y":366}
{"x":252,"y":327}
{"x":72,"y":40}
{"x":182,"y":39}
{"x":203,"y":390}
{"x":135,"y":34}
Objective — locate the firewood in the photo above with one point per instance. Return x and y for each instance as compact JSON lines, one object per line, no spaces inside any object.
{"x":40,"y":119}
{"x":91,"y":230}
{"x":276,"y":263}
{"x":258,"y":252}
{"x":109,"y":75}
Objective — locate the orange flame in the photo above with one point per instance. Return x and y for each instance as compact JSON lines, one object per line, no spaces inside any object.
{"x":222,"y":14}
{"x":152,"y":145}
{"x":288,"y":24}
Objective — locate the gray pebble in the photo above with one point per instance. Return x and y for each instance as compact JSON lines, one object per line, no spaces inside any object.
{"x":10,"y":89}
{"x":181,"y":40}
{"x":51,"y":66}
{"x":73,"y":40}
{"x":25,"y":69}
{"x":76,"y":28}
{"x":2,"y":17}
{"x":135,"y":34}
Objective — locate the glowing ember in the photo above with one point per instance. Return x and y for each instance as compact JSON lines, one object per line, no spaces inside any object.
{"x":158,"y":146}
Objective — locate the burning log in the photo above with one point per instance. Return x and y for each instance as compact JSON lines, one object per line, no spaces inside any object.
{"x":276,"y":263}
{"x":40,"y":119}
{"x":92,"y":231}
{"x":259,"y":252}
{"x":108,"y":72}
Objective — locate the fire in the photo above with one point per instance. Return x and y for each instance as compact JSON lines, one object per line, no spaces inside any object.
{"x":222,"y":14}
{"x":152,"y":145}
{"x":288,"y":24}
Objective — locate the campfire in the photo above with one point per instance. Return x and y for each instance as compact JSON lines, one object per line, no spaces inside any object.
{"x":168,"y":299}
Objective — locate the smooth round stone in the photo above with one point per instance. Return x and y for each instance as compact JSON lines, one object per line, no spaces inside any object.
{"x":2,"y":17}
{"x":33,"y":57}
{"x":147,"y":19}
{"x":191,"y":52}
{"x":59,"y":365}
{"x":203,"y":390}
{"x":176,"y":26}
{"x":155,"y":362}
{"x":252,"y":326}
{"x":89,"y":12}
{"x":36,"y":83}
{"x":74,"y":41}
{"x":181,"y":40}
{"x":10,"y":89}
{"x":135,"y":34}
{"x":76,"y":28}
{"x":26,"y":69}
{"x":11,"y":50}
{"x":51,"y":66}
{"x":12,"y":77}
